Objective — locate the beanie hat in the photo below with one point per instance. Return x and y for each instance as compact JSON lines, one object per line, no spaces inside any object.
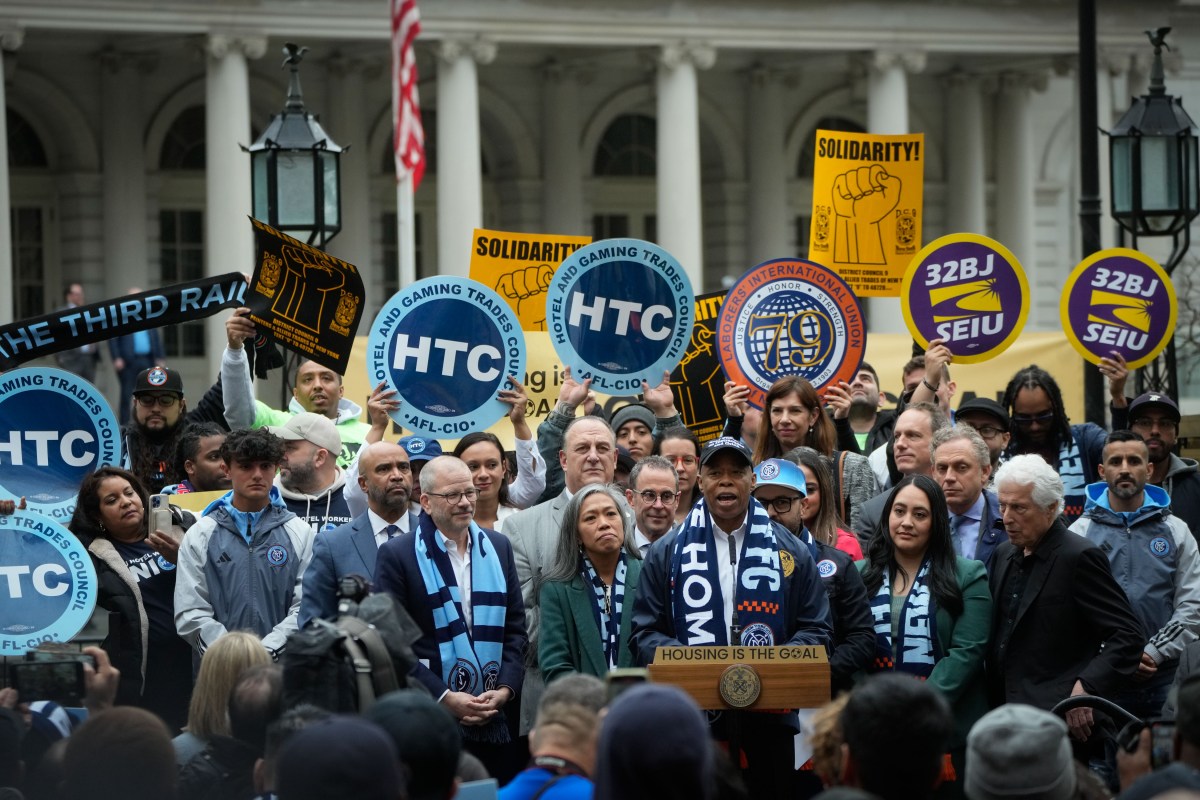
{"x":1017,"y":751}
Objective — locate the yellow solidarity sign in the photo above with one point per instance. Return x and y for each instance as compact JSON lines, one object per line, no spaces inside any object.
{"x":519,"y":267}
{"x":867,"y":204}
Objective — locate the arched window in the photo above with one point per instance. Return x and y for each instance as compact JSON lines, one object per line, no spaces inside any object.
{"x":183,"y":146}
{"x":628,"y":148}
{"x":24,"y":147}
{"x":805,"y":168}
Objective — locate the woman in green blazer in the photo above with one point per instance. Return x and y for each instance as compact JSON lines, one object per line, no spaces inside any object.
{"x":932,"y":608}
{"x":587,"y":594}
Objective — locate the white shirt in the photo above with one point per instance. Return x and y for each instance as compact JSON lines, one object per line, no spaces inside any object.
{"x":642,"y":541}
{"x":379,"y":526}
{"x":461,"y":564}
{"x":726,"y":570}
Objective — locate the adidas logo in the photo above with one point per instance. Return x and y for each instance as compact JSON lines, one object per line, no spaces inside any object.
{"x":224,"y":559}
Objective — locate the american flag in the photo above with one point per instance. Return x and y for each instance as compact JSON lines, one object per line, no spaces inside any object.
{"x":409,"y":136}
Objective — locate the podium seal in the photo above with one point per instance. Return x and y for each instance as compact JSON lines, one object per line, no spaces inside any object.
{"x":740,"y":685}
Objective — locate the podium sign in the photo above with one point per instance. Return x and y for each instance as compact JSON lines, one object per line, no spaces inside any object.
{"x":749,"y":678}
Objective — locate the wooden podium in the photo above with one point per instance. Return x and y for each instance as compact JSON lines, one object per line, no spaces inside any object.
{"x":746,"y":678}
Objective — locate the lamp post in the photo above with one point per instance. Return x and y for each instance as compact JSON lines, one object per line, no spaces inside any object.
{"x":294,"y":166}
{"x":1155,"y":173}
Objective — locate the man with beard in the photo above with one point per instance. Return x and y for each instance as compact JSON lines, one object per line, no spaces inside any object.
{"x":199,"y":457}
{"x":1155,"y":417}
{"x":385,"y":476}
{"x":319,"y":390}
{"x":1153,"y":557}
{"x":160,"y":411}
{"x":309,"y":480}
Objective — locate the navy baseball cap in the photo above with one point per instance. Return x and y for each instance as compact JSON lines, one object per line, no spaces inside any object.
{"x":419,"y":448}
{"x":726,"y":443}
{"x":1154,"y":399}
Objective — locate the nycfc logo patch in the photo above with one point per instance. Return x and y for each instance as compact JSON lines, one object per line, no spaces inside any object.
{"x":769,"y":471}
{"x":1159,"y":546}
{"x":157,"y":377}
{"x":825,"y":568}
{"x":758,"y":635}
{"x":164,"y":565}
{"x":462,"y":676}
{"x":491,"y":675}
{"x":277,"y":556}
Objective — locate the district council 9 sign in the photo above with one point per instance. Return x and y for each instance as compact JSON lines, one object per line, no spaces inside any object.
{"x":447,"y":345}
{"x":620,"y":311}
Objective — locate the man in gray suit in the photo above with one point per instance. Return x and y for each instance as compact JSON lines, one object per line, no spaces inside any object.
{"x":588,"y":455}
{"x":385,"y":475}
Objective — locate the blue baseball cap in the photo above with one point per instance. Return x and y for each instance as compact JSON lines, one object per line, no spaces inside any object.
{"x":777,"y":472}
{"x":419,"y":448}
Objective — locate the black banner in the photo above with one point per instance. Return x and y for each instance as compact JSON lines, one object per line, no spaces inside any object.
{"x":309,"y":301}
{"x":698,"y":382}
{"x":68,"y":328}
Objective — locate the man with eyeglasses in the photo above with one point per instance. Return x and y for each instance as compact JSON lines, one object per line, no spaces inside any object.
{"x":782,"y":489}
{"x":653,"y":494}
{"x":991,"y":422}
{"x":1155,"y":417}
{"x":385,"y":477}
{"x":459,"y":582}
{"x":729,"y":575}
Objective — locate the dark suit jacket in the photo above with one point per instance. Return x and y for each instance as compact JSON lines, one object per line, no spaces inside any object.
{"x":991,"y":529}
{"x":346,"y":550}
{"x":122,"y":347}
{"x":570,"y":640}
{"x":397,"y":571}
{"x":1073,"y":623}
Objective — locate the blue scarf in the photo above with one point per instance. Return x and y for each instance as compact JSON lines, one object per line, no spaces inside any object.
{"x":698,"y":607}
{"x":468,"y":660}
{"x":607,"y":605}
{"x":915,"y":650}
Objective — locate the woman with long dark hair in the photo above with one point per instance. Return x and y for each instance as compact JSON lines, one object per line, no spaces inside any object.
{"x":135,"y":570}
{"x":587,"y":592}
{"x":484,"y":456}
{"x":793,"y":416}
{"x":682,"y":448}
{"x":932,"y":608}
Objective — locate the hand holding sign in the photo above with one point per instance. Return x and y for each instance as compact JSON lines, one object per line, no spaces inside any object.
{"x":1117,"y":372}
{"x":660,"y":399}
{"x":11,"y":506}
{"x":239,"y":328}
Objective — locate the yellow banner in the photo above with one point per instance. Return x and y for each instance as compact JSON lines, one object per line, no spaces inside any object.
{"x":519,"y":267}
{"x":867,"y":208}
{"x":889,"y":352}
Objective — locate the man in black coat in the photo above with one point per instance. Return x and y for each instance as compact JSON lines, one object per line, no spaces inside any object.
{"x":1062,"y":626}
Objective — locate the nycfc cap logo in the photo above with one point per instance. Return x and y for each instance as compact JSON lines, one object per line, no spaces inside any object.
{"x":277,"y":556}
{"x":769,"y":471}
{"x":1159,"y":546}
{"x":157,"y":376}
{"x":826,"y":568}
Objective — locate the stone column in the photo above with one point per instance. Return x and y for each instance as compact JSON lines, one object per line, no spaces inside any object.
{"x":10,"y":40}
{"x":1016,"y":171}
{"x":966,"y":198}
{"x":228,"y":236}
{"x":887,"y":113}
{"x":459,"y":176}
{"x":347,"y":124}
{"x":123,"y":155}
{"x":679,"y":218}
{"x":767,"y":206}
{"x":562,"y":167}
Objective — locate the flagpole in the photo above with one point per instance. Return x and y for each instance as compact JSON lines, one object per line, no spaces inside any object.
{"x":406,"y":231}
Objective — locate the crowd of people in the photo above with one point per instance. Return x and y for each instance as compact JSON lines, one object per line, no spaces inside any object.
{"x":964,"y":569}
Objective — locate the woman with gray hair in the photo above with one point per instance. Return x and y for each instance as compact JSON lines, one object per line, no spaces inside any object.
{"x":587,"y":593}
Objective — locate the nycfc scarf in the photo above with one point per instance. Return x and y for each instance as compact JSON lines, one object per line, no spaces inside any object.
{"x":915,"y":651}
{"x":469,"y":660}
{"x":698,"y":607}
{"x":607,"y":605}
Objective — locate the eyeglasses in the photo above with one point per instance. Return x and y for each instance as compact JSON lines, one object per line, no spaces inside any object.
{"x":1025,"y":420}
{"x":782,"y":505}
{"x":666,"y":498}
{"x":1149,"y":423}
{"x":163,"y":400}
{"x":454,"y":498}
{"x":988,"y":432}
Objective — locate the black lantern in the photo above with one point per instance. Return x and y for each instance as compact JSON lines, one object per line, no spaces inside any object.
{"x":1153,"y":159}
{"x":295,"y":171}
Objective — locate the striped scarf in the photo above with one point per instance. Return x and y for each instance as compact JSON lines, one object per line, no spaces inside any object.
{"x":698,"y":607}
{"x":915,"y":650}
{"x":607,"y":605}
{"x":468,"y":660}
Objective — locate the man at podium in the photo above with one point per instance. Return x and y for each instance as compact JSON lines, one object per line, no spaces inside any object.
{"x":729,"y":575}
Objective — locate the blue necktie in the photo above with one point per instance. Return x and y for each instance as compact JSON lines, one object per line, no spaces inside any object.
{"x":391,"y":530}
{"x":955,"y":521}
